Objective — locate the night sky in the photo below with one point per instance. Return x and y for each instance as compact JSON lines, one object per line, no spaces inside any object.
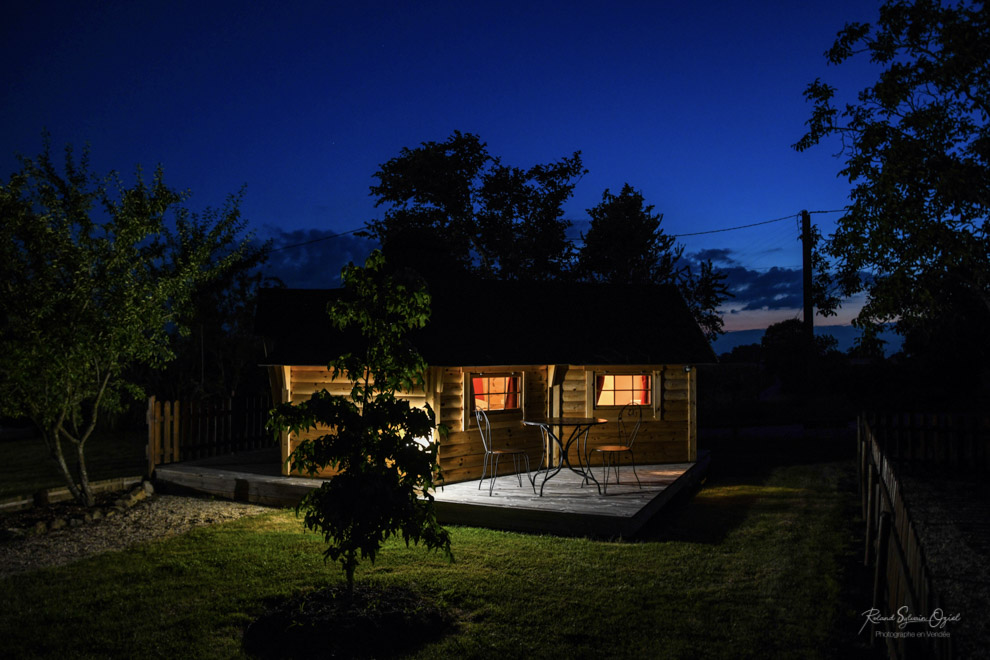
{"x":695,"y":104}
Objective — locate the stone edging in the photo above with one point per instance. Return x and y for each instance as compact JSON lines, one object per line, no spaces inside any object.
{"x":60,"y":494}
{"x":136,"y":494}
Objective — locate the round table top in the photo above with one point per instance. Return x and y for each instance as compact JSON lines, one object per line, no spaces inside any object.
{"x":565,"y":421}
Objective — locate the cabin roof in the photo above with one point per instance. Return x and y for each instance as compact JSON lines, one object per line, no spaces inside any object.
{"x":487,"y":323}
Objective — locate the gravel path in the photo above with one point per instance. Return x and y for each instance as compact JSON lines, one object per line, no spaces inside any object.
{"x":157,"y":517}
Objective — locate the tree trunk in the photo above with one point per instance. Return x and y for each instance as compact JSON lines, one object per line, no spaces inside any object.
{"x":55,"y":445}
{"x":86,"y":490}
{"x":350,"y":564}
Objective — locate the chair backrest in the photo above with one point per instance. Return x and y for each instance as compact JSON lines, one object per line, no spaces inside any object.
{"x":630,"y":418}
{"x":484,"y":428}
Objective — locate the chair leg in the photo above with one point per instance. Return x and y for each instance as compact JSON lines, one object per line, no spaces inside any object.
{"x":491,"y":487}
{"x":516,"y":465}
{"x":605,"y":460}
{"x":529,"y":474}
{"x":484,"y":470}
{"x":632,"y":460}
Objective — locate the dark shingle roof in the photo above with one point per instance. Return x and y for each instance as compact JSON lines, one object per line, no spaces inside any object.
{"x":505,"y":323}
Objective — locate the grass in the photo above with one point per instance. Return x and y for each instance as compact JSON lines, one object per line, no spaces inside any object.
{"x":26,"y":467}
{"x":750,"y":567}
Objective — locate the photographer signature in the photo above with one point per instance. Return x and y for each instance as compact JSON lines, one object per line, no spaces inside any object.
{"x":903,"y":617}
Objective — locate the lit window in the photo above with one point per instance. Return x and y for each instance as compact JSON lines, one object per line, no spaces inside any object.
{"x":494,"y":393}
{"x":620,"y":389}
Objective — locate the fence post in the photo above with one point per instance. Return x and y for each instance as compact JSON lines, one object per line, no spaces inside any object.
{"x":871,"y":493}
{"x":880,"y":576}
{"x":167,"y":428}
{"x":865,"y":436}
{"x":176,"y":431}
{"x":151,"y":449}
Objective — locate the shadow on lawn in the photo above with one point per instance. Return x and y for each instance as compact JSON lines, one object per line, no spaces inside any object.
{"x":742,"y":460}
{"x":375,"y":622}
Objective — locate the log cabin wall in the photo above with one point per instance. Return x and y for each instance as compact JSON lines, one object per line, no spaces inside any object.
{"x":669,"y":430}
{"x":303,"y":381}
{"x":461,"y":452}
{"x":668,"y":433}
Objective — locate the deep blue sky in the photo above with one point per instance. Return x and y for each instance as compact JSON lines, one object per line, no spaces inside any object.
{"x":695,"y":104}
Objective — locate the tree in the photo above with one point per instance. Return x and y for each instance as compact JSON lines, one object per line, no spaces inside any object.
{"x":916,"y":144}
{"x":788,"y":353}
{"x":451,"y":207}
{"x":218,"y":354}
{"x":382,"y":449}
{"x":625,"y":244}
{"x":92,"y":278}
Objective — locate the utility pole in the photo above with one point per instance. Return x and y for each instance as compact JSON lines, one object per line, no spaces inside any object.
{"x":809,"y":307}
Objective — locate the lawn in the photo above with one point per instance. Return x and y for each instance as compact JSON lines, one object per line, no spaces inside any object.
{"x":750,"y":567}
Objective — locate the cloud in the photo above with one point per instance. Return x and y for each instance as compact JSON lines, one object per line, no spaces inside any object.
{"x":754,"y":289}
{"x":776,"y":288}
{"x":715,"y":255}
{"x":313,"y":258}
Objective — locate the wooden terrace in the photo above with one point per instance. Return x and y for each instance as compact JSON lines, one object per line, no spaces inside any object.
{"x":566,"y":508}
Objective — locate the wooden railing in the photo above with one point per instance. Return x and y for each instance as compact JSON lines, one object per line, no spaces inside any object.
{"x":902,"y":577}
{"x":184,"y":430}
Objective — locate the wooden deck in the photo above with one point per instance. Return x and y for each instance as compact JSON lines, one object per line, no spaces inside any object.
{"x":566,"y":508}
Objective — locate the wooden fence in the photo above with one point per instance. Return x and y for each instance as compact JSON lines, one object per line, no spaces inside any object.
{"x":902,"y":576}
{"x":184,"y":430}
{"x":953,"y":442}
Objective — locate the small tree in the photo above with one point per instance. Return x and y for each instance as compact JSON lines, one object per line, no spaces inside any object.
{"x":90,"y":282}
{"x":382,"y":448}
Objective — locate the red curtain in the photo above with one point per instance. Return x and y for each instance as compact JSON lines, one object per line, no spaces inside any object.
{"x":478,"y":389}
{"x":511,"y":393}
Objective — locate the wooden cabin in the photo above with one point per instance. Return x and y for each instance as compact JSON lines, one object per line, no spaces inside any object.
{"x":519,"y":351}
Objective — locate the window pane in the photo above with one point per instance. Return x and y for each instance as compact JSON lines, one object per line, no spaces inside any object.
{"x":604,"y":386}
{"x":622,"y":389}
{"x":496,"y":392}
{"x":480,"y":390}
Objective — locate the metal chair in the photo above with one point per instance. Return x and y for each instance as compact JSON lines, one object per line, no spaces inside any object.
{"x":492,"y":455}
{"x":630,"y":419}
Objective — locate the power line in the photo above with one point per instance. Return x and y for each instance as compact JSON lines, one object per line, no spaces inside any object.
{"x":717,"y":231}
{"x":755,"y":224}
{"x":316,"y":240}
{"x":697,"y":233}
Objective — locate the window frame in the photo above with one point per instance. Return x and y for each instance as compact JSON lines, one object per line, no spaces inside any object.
{"x":655,"y":389}
{"x":470,"y":397}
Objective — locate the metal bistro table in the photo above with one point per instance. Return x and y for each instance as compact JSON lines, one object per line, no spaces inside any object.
{"x":580,"y":427}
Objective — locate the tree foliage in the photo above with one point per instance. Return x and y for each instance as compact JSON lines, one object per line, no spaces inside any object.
{"x":383,"y":449}
{"x":93,"y":274}
{"x":625,"y":244}
{"x":916,"y":145}
{"x":791,"y":355}
{"x":451,"y":207}
{"x":217,"y":351}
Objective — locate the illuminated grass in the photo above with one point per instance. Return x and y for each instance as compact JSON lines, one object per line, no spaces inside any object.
{"x":742,"y":570}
